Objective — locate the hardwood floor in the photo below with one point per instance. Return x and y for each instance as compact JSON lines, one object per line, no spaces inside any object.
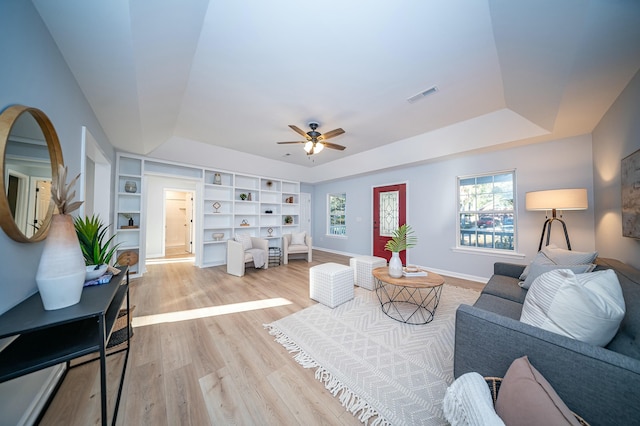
{"x":208,"y":359}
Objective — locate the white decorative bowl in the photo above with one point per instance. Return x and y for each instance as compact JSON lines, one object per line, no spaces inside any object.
{"x":218,"y":236}
{"x":93,"y":273}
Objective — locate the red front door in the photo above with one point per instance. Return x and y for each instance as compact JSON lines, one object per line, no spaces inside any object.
{"x":389,"y":212}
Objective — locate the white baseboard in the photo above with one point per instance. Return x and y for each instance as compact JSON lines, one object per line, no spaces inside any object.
{"x":436,"y":270}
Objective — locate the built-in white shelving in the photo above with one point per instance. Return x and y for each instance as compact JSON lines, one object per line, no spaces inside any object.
{"x":248,"y":204}
{"x":128,"y":208}
{"x":227,"y":203}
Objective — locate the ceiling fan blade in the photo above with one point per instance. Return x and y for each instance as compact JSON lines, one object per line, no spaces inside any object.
{"x":299,"y":131}
{"x":334,"y":146}
{"x":292,"y":142}
{"x":331,"y":134}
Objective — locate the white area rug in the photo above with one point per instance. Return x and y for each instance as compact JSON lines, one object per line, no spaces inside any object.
{"x":383,"y":371}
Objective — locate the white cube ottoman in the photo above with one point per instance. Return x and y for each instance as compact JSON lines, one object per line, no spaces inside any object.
{"x":362,"y":267}
{"x":331,"y":284}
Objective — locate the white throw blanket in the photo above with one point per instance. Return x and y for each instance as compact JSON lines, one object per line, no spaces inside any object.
{"x":258,"y":257}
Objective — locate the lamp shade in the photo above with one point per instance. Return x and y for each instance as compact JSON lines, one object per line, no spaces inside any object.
{"x":559,"y":199}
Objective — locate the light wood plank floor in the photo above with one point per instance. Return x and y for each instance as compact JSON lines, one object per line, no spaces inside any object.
{"x":219,"y":369}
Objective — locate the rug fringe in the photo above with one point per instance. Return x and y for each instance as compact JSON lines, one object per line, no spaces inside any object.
{"x":352,"y":402}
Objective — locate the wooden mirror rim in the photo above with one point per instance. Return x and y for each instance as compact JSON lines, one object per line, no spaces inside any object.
{"x":8,"y":118}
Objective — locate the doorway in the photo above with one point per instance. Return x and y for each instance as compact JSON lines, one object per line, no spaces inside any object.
{"x":389,"y":212}
{"x":178,"y":223}
{"x":95,"y":169}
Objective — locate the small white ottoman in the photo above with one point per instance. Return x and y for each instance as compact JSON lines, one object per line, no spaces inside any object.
{"x":362,"y":267}
{"x":331,"y":284}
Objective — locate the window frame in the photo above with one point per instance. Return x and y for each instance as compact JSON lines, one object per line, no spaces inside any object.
{"x":331,"y":214}
{"x":513,"y":251}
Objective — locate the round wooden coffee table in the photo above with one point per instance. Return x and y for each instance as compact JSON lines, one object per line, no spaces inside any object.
{"x":411,"y":300}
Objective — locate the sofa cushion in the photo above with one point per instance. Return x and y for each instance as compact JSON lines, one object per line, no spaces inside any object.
{"x":587,"y":307}
{"x":568,"y":257}
{"x":505,"y":287}
{"x":553,"y":255}
{"x":468,"y":402}
{"x":498,"y":305}
{"x":540,"y":259}
{"x":626,"y":340}
{"x":538,"y":269}
{"x":526,"y":398}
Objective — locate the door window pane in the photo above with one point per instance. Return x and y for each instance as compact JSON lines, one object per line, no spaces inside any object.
{"x":389,"y":213}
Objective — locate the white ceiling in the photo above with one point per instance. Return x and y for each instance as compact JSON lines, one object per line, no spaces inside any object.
{"x":235,"y":73}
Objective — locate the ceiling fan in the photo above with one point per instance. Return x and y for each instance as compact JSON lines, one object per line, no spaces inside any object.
{"x":316,"y":141}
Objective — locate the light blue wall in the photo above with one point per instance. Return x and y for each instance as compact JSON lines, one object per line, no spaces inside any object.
{"x":431,"y":201}
{"x":34,"y":73}
{"x":616,"y":136}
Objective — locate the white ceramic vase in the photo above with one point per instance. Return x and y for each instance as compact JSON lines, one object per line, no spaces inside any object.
{"x":61,"y":271}
{"x":395,"y":265}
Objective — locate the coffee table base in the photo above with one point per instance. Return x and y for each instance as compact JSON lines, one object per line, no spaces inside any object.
{"x":408,"y":305}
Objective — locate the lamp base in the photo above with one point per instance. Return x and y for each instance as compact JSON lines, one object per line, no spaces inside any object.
{"x":547,"y":227}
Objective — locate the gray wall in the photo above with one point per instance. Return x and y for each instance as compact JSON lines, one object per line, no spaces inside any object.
{"x":616,"y":136}
{"x":34,"y":73}
{"x":431,"y":200}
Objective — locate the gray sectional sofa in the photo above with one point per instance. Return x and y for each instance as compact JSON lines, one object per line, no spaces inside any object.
{"x":600,"y":384}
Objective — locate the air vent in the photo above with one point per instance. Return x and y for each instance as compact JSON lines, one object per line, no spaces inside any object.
{"x":423,"y":94}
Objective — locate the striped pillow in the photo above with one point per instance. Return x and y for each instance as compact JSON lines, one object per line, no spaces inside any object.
{"x":536,"y":270}
{"x":586,"y":307}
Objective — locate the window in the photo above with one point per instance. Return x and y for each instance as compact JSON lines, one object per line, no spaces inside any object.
{"x":336,"y":214}
{"x":486,"y":211}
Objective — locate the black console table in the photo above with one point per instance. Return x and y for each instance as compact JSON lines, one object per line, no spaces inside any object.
{"x":48,"y":338}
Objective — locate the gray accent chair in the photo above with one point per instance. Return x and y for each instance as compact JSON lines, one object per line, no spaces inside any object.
{"x":600,"y":384}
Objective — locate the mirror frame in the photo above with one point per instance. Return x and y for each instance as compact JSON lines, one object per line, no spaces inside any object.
{"x":7,"y":119}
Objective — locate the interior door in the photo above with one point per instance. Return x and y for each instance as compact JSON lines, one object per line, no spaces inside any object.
{"x":389,"y":212}
{"x":189,"y":232}
{"x":305,"y":213}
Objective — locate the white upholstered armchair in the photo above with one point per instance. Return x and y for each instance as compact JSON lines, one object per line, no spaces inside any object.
{"x":244,"y":249}
{"x":299,"y":243}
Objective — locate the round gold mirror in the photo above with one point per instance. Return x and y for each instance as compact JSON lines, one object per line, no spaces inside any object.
{"x":30,"y":153}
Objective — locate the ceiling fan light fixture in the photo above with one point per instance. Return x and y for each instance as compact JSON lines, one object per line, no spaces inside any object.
{"x":318,"y":147}
{"x":308,"y":147}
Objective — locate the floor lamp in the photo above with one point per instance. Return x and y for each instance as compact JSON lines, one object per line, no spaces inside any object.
{"x":556,"y":199}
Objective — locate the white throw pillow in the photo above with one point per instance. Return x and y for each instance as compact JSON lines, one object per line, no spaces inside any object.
{"x":537,"y":269}
{"x":297,"y":239}
{"x":245,"y":239}
{"x":568,"y":257}
{"x":586,"y":307}
{"x":468,"y":402}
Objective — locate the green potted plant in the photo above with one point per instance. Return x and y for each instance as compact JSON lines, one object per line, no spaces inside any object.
{"x":288,"y":220}
{"x":243,"y":196}
{"x":403,"y":238}
{"x":96,"y":251}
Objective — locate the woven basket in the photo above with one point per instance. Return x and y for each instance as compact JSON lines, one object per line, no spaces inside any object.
{"x":494,"y":386}
{"x":119,"y":334}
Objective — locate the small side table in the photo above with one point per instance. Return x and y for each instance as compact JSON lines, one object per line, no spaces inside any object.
{"x":411,"y":300}
{"x":275,"y":256}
